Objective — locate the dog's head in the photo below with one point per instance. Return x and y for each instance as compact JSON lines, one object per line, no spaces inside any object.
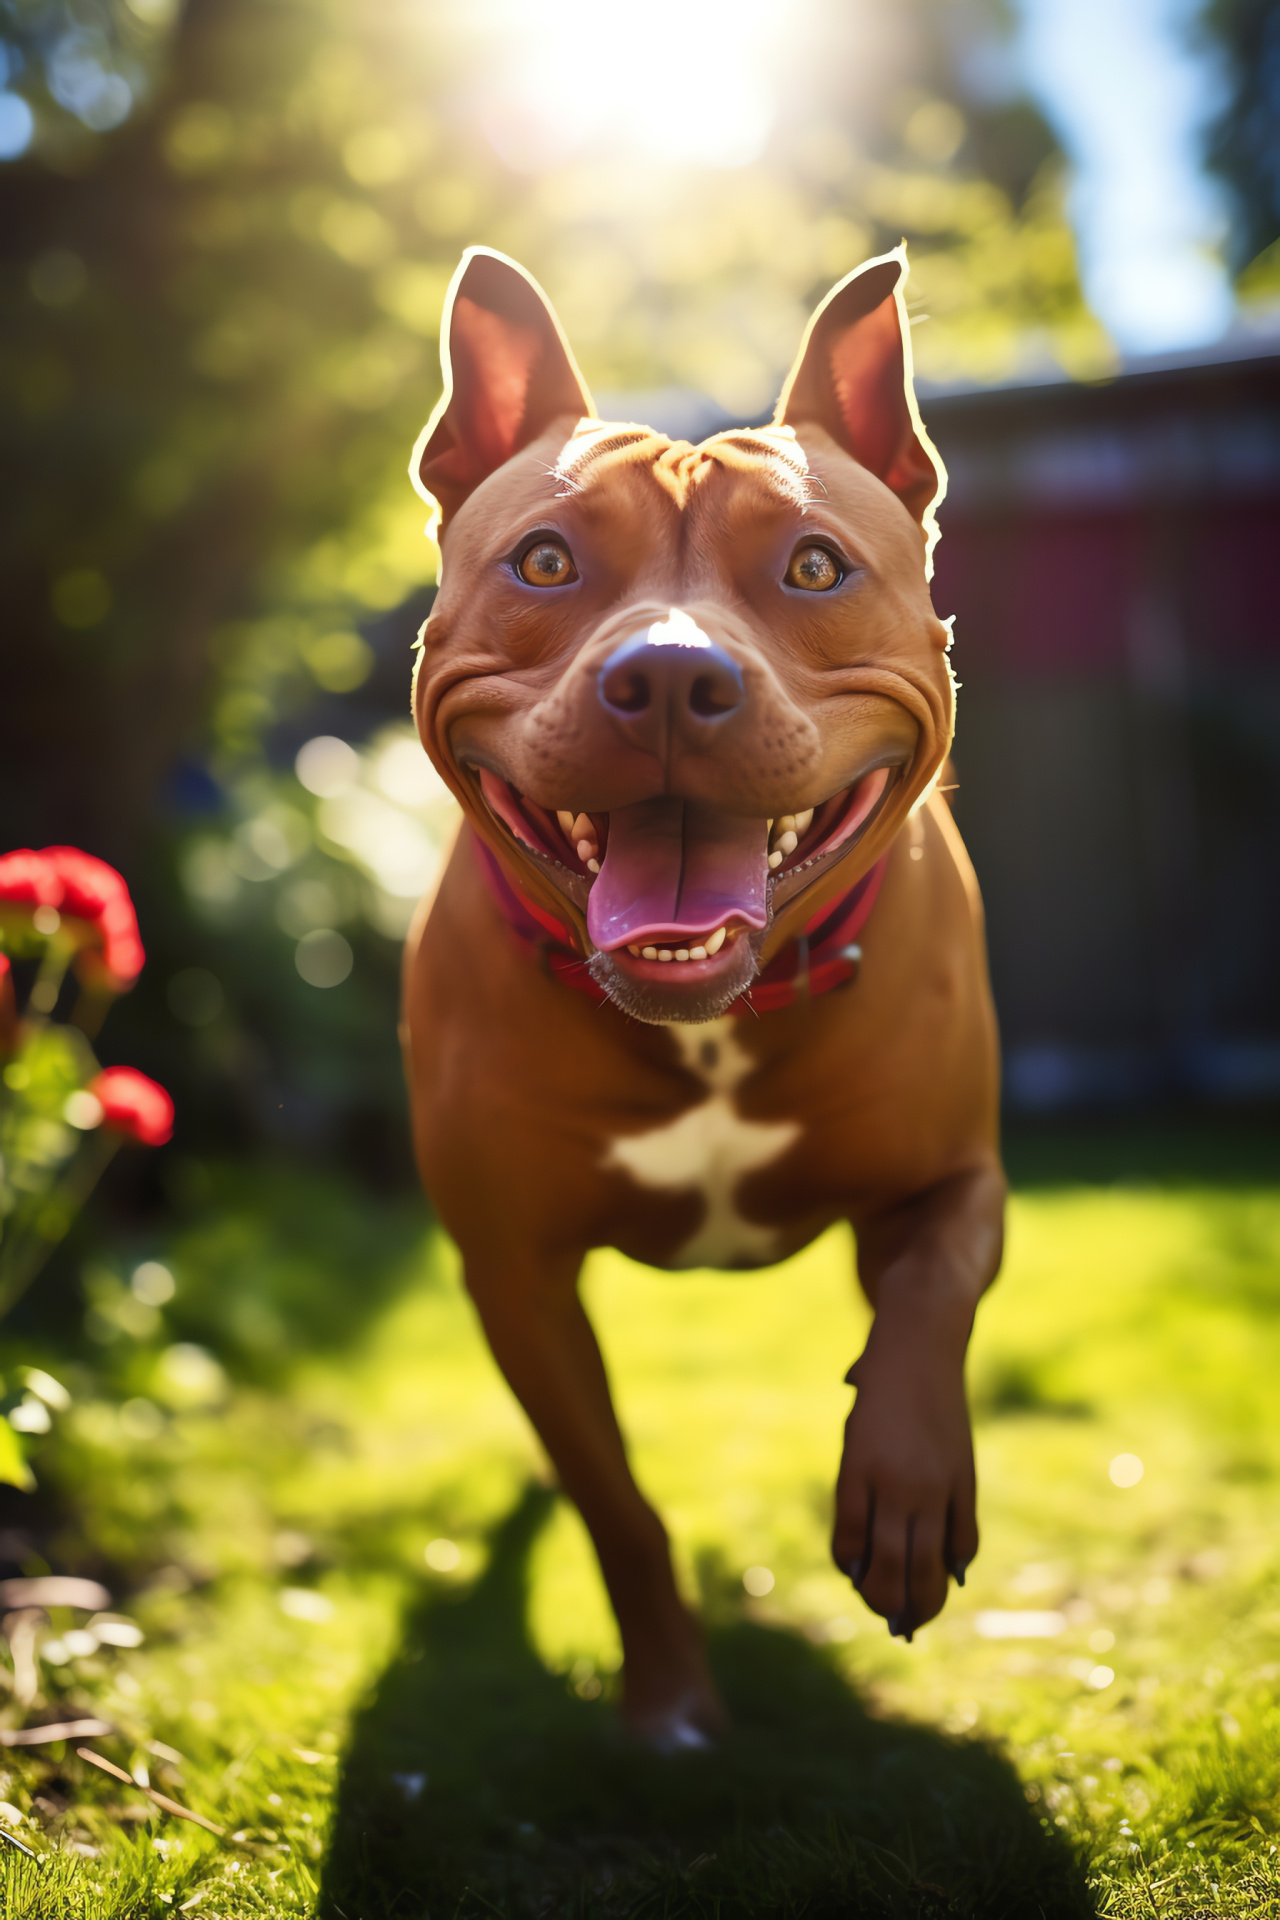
{"x":689,"y":694}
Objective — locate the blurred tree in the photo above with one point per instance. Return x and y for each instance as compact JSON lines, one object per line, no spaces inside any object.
{"x":222,"y":265}
{"x":1244,"y":143}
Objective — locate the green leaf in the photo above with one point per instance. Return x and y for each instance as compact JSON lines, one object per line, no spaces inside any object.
{"x":14,"y":1471}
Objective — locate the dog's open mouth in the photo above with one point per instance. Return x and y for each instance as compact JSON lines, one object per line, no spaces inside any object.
{"x":677,"y":884}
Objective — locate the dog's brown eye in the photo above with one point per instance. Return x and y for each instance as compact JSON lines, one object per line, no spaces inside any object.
{"x":547,"y":564}
{"x":813,"y":569}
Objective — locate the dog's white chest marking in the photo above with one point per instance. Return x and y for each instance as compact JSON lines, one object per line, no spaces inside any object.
{"x":711,"y":1147}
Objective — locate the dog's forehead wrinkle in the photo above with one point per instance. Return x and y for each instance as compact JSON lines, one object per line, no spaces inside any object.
{"x":600,"y":452}
{"x":780,"y":462}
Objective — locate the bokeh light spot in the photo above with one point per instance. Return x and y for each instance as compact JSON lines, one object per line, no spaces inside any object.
{"x":141,"y":1419}
{"x":405,"y":775}
{"x":188,"y":1377}
{"x":1020,"y":1623}
{"x":153,"y":1284}
{"x":47,"y":1388}
{"x":327,"y":766}
{"x":935,"y":130}
{"x":199,"y":138}
{"x":81,"y":80}
{"x":323,"y":958}
{"x":81,"y":598}
{"x":306,"y":906}
{"x":304,"y":1603}
{"x":339,"y":662}
{"x":17,"y":124}
{"x":375,"y":156}
{"x":1126,"y":1470}
{"x":83,"y":1110}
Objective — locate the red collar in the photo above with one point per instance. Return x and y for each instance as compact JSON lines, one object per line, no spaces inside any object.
{"x":826,"y":954}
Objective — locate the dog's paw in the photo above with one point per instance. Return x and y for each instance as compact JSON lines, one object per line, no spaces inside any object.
{"x":688,"y":1725}
{"x":905,"y":1501}
{"x":679,"y":1736}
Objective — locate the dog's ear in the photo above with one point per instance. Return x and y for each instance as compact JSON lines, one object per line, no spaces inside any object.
{"x":852,"y":376}
{"x":508,"y":373}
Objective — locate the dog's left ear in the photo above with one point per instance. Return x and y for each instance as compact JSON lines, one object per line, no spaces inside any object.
{"x":508,"y":373}
{"x":852,"y":376}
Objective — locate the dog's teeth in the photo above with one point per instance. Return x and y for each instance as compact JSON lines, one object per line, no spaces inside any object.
{"x":803,"y":821}
{"x":697,"y":953}
{"x":566,"y":820}
{"x":634,"y":950}
{"x":665,"y":953}
{"x":682,"y":953}
{"x":649,"y":953}
{"x":776,"y":859}
{"x":789,"y":842}
{"x":714,"y":944}
{"x":785,"y":822}
{"x":586,"y":843}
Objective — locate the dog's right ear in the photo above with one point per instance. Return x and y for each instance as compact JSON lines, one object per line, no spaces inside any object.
{"x":508,"y":373}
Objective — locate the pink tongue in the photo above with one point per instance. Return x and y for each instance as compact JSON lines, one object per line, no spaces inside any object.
{"x":673,"y":867}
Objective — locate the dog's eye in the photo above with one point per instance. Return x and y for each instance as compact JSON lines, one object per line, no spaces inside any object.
{"x":813,"y":569}
{"x":547,"y":564}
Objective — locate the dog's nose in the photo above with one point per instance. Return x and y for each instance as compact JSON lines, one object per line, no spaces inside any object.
{"x":669,"y":678}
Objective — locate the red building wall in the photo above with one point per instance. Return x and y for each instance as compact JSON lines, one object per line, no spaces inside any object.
{"x":1111,"y":555}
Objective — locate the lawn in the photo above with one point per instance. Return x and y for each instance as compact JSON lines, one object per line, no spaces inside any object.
{"x":378,"y":1654}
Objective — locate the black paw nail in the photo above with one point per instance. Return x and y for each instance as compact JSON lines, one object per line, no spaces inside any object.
{"x":958,"y":1570}
{"x":901,"y":1625}
{"x":859,"y":1569}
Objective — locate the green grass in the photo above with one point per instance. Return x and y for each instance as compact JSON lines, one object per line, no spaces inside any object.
{"x":443,"y":1743}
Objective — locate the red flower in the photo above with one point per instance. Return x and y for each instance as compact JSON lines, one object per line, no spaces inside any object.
{"x":29,"y":879}
{"x":83,"y":888}
{"x":133,"y":1105}
{"x":93,"y":891}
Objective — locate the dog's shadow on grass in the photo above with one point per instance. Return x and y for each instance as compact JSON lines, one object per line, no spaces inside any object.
{"x":477,"y":1783}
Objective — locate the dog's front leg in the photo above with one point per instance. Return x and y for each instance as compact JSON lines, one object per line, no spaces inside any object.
{"x":545,"y":1345}
{"x":906,"y":1496}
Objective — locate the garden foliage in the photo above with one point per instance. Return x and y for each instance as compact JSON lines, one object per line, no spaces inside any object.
{"x":67,"y":920}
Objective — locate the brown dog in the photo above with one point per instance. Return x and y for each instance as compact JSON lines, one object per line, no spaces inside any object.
{"x":694,"y":702}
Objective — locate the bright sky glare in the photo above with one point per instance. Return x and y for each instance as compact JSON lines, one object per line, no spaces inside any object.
{"x":689,"y":82}
{"x":1129,"y":94}
{"x":686,"y":81}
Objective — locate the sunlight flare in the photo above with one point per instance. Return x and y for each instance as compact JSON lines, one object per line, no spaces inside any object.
{"x":688,"y":82}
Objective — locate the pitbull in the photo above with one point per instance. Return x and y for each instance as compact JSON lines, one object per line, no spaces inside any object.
{"x":706,"y":969}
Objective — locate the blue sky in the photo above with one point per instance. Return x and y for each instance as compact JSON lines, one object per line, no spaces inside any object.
{"x":1129,"y":90}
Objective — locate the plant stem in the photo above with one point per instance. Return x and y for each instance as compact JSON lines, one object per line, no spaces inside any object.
{"x":23,"y":1255}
